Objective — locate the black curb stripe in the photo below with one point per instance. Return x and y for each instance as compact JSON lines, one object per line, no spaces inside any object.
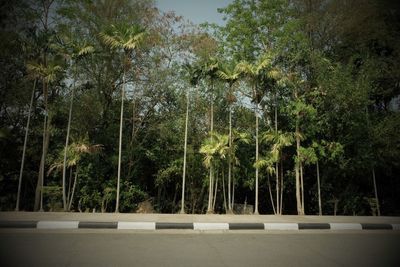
{"x":246,"y":226}
{"x":310,"y":226}
{"x":160,"y":226}
{"x":376,"y":226}
{"x":18,"y":224}
{"x":98,"y":225}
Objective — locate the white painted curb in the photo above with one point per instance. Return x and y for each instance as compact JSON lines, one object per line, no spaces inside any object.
{"x":396,"y":226}
{"x":57,"y":225}
{"x":137,"y":225}
{"x":346,"y":226}
{"x":211,"y":226}
{"x":281,"y":226}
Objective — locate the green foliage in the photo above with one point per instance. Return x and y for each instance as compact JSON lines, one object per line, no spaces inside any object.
{"x":329,"y":69}
{"x":131,"y":196}
{"x":123,"y":36}
{"x":215,"y":147}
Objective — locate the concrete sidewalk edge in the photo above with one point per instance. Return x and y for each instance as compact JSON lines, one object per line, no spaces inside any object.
{"x":194,"y":226}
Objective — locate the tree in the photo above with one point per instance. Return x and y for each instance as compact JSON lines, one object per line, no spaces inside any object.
{"x":252,"y":72}
{"x":73,"y":50}
{"x":194,"y":79}
{"x":209,"y":69}
{"x":48,"y":74}
{"x":278,"y":141}
{"x":74,"y":155}
{"x":214,"y":148}
{"x":125,"y":37}
{"x":24,"y":148}
{"x":230,"y":75}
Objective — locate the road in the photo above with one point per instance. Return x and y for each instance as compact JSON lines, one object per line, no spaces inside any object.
{"x":191,"y":248}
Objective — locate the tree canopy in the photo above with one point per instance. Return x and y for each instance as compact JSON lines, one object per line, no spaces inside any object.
{"x":305,"y":91}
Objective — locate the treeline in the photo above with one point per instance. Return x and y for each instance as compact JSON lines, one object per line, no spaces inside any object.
{"x":291,"y":107}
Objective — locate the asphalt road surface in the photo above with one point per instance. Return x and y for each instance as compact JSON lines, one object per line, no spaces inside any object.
{"x":188,"y":248}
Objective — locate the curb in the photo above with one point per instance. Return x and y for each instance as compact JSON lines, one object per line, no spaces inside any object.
{"x":193,"y":226}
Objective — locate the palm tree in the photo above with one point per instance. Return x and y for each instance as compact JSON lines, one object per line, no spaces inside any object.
{"x":194,"y":78}
{"x":237,"y":137}
{"x":74,"y":154}
{"x":74,"y":51}
{"x":127,"y":38}
{"x":184,"y":155}
{"x":253,"y":73}
{"x":230,"y":75}
{"x":24,"y":148}
{"x":209,"y":69}
{"x":213,"y":148}
{"x":279,"y":140}
{"x":47,"y":73}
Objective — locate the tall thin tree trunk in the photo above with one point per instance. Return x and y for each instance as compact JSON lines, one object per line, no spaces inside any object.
{"x":215,"y":191}
{"x":38,"y":205}
{"x":230,"y":160}
{"x":210,"y":191}
{"x":233,"y":192}
{"x":73,"y":188}
{"x":69,"y":186}
{"x":66,"y":145}
{"x":277,"y":187}
{"x":223,"y":191}
{"x":120,"y":141}
{"x":297,"y":170}
{"x":39,"y":186}
{"x":319,"y":191}
{"x":270,"y":194}
{"x":256,"y":188}
{"x":281,"y":202}
{"x":302,"y":188}
{"x":184,"y":156}
{"x":376,"y":192}
{"x":24,"y":149}
{"x":47,"y":140}
{"x":277,"y":163}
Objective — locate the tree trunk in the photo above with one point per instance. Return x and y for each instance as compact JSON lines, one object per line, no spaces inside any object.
{"x":277,"y":163}
{"x":319,"y":191}
{"x":39,"y":186}
{"x":184,"y":156}
{"x":376,"y":192}
{"x":215,"y":192}
{"x":73,"y":189}
{"x":270,"y":194}
{"x":277,"y":188}
{"x":210,"y":191}
{"x":297,"y":170}
{"x":69,"y":186}
{"x":256,"y":188}
{"x":302,"y":188}
{"x":281,"y":202}
{"x":223,"y":191}
{"x":24,"y":149}
{"x":233,"y":192}
{"x":66,"y":147}
{"x":120,"y":141}
{"x":230,"y":160}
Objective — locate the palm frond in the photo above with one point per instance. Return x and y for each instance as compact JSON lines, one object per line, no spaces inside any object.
{"x":88,"y":49}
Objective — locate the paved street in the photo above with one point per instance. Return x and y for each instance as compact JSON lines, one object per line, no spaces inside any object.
{"x":191,"y":248}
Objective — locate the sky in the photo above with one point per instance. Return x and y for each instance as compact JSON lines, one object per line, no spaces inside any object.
{"x":197,"y":11}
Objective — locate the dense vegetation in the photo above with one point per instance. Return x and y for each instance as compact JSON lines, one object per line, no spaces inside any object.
{"x":292,"y":106}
